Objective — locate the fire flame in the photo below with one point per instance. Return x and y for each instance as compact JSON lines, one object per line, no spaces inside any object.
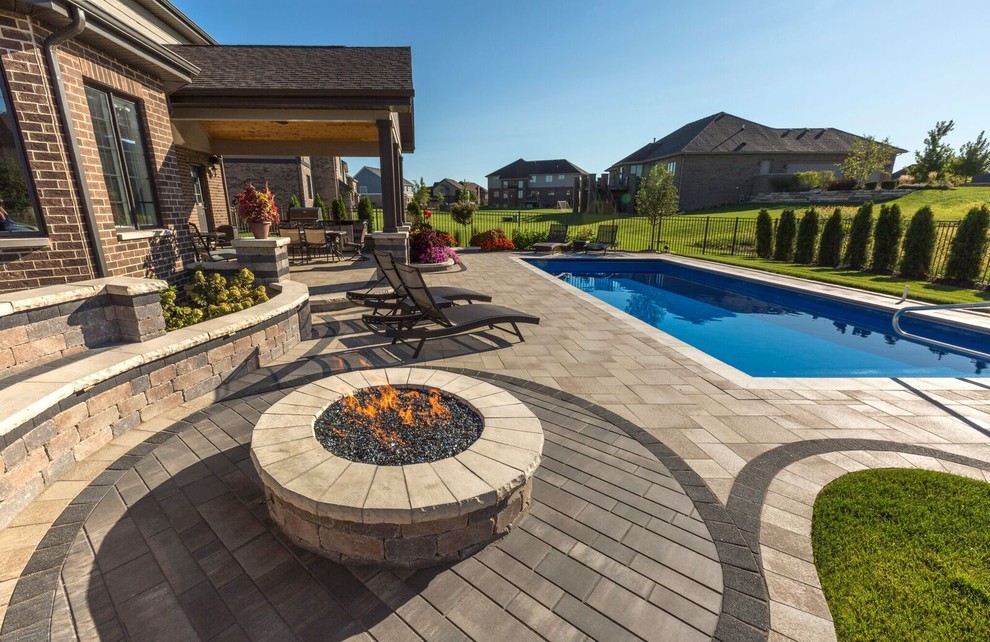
{"x":387,"y":404}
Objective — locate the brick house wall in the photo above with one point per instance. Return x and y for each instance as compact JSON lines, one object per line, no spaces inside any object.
{"x":284,"y":176}
{"x":545,"y":196}
{"x":215,"y":192}
{"x":69,"y":256}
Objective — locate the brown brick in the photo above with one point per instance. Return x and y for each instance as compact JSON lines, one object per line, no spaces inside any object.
{"x":111,"y":397}
{"x":435,"y":527}
{"x":352,"y":545}
{"x":132,"y":404}
{"x":155,"y":394}
{"x":62,"y":443}
{"x":192,"y":363}
{"x":456,"y":541}
{"x":93,"y":443}
{"x":19,"y":475}
{"x":164,"y":405}
{"x":163,"y":374}
{"x":72,"y":417}
{"x":39,"y":349}
{"x":193,"y":377}
{"x":97,"y":422}
{"x":12,"y":337}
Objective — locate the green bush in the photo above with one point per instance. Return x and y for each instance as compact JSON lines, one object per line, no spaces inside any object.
{"x":919,"y":245}
{"x":858,"y":250}
{"x":966,"y":256}
{"x":210,"y":297}
{"x":830,"y":245}
{"x":586,"y":233}
{"x":318,"y":202}
{"x":523,"y":238}
{"x":764,"y":235}
{"x":364,"y":209}
{"x":783,"y":246}
{"x":807,"y":237}
{"x":414,"y":215}
{"x":339,"y":209}
{"x":815,"y":180}
{"x":294,"y":201}
{"x":887,"y":239}
{"x":783,"y":183}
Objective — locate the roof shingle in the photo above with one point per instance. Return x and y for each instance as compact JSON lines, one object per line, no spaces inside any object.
{"x":524,"y":168}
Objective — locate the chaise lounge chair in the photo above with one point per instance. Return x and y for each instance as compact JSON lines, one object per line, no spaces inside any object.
{"x":556,"y":239}
{"x":434,"y":322}
{"x":606,"y":239}
{"x":396,"y":298}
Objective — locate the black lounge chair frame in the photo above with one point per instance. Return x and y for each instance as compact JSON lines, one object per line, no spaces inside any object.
{"x":396,"y":299}
{"x":606,"y":239}
{"x":434,"y":322}
{"x":556,"y":239}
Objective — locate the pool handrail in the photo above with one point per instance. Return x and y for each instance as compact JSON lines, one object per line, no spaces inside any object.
{"x":895,"y":321}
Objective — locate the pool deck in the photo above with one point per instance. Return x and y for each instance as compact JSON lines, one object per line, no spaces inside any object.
{"x":675,"y":502}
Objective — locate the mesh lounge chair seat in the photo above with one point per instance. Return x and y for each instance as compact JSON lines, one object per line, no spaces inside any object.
{"x":606,"y":239}
{"x":206,"y":247}
{"x":556,"y":240}
{"x":395,"y":298}
{"x":434,"y":322}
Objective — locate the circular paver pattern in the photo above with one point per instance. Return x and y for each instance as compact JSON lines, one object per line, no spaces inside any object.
{"x":407,"y":516}
{"x":173,"y":541}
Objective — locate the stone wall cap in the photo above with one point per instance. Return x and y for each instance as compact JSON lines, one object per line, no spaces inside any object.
{"x":130,"y":286}
{"x":48,"y":296}
{"x":272,"y":242}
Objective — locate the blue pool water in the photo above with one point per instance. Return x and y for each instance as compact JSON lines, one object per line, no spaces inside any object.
{"x":768,"y":331}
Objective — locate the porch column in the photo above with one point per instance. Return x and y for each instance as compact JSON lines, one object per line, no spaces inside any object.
{"x":386,"y":153}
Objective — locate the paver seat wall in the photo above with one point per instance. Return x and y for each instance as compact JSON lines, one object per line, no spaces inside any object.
{"x":63,"y":413}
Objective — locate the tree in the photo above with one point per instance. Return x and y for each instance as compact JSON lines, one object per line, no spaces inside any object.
{"x":868,"y":155}
{"x":858,"y":249}
{"x":764,"y":234}
{"x":919,"y":245}
{"x":656,"y":198}
{"x":973,"y":158}
{"x":887,"y":239}
{"x":969,"y":246}
{"x":414,"y":214}
{"x":339,"y":209}
{"x":364,"y":209}
{"x":830,"y":246}
{"x":318,"y":202}
{"x":807,"y":236}
{"x":934,"y":159}
{"x":783,"y":247}
{"x":422,"y":194}
{"x":294,"y":201}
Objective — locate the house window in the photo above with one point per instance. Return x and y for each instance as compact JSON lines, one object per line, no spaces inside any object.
{"x":309,"y":186}
{"x":672,"y":167}
{"x":120,"y":141}
{"x":636,"y":170}
{"x":764,"y":167}
{"x":532,"y":180}
{"x":19,"y":211}
{"x":519,"y":194}
{"x":519,"y":184}
{"x":561,"y":177}
{"x":362,"y":189}
{"x":549,"y":192}
{"x":549,"y":178}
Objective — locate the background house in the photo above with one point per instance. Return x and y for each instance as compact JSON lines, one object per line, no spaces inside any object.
{"x":369,"y":183}
{"x":536,"y":184}
{"x":302,"y":176}
{"x":446,"y":190}
{"x":726,"y":159}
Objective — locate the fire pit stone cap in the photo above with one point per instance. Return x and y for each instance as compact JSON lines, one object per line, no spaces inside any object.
{"x":295,"y":466}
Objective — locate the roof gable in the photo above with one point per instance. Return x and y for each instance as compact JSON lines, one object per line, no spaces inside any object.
{"x":523,"y":168}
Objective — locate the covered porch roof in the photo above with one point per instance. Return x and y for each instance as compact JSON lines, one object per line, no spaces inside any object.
{"x":264,"y":100}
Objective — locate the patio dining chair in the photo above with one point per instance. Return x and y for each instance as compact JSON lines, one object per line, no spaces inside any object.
{"x":354,"y":242}
{"x":317,"y":239}
{"x":394,"y":297}
{"x":606,"y":239}
{"x":556,"y":239}
{"x":206,"y":247}
{"x":431,"y":321}
{"x":296,"y":241}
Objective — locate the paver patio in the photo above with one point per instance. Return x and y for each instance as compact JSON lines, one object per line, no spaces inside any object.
{"x":624,"y":538}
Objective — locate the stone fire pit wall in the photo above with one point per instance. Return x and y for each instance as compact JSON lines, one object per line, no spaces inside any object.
{"x":402,"y":516}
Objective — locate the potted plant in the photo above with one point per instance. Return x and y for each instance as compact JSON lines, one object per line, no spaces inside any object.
{"x":257,"y":208}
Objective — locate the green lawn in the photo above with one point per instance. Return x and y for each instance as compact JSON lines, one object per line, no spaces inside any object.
{"x":948,"y":205}
{"x":905,"y":555}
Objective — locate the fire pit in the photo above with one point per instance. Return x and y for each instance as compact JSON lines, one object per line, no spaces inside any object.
{"x":400,"y":467}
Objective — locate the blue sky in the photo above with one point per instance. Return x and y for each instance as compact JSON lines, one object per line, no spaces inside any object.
{"x":591,"y":81}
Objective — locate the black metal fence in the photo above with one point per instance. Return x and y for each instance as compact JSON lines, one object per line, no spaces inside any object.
{"x":690,"y":235}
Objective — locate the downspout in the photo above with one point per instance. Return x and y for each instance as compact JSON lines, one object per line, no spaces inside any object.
{"x":64,"y":34}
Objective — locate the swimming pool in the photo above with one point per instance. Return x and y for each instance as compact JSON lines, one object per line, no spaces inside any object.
{"x":768,"y":331}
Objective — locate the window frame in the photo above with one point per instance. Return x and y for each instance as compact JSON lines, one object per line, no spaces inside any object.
{"x":146,"y":140}
{"x":22,"y":162}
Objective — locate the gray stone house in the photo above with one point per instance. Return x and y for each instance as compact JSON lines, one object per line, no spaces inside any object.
{"x":369,"y":183}
{"x":447,"y":189}
{"x":536,"y":184}
{"x":725,"y":159}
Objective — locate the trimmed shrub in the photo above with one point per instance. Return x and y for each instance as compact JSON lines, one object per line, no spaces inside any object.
{"x":339,"y":209}
{"x":318,"y":202}
{"x":783,"y":183}
{"x":919,"y":245}
{"x":364,"y":209}
{"x":969,"y":246}
{"x":870,"y":185}
{"x":888,"y":184}
{"x":294,"y":201}
{"x":210,"y":297}
{"x":807,"y":237}
{"x":815,"y":180}
{"x":830,"y":246}
{"x":414,"y":215}
{"x":886,"y":239}
{"x":783,"y":246}
{"x":764,"y":234}
{"x":493,"y":240}
{"x":523,"y":238}
{"x":858,"y":250}
{"x":843,"y":183}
